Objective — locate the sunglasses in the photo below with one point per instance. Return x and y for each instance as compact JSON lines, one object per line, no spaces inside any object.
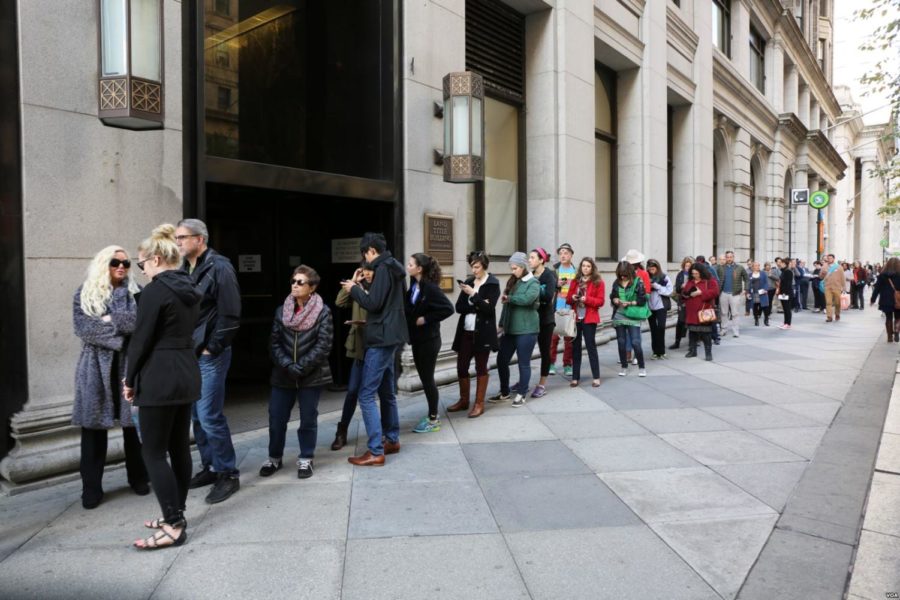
{"x":181,"y":238}
{"x":140,"y":264}
{"x":299,"y":282}
{"x":115,"y":263}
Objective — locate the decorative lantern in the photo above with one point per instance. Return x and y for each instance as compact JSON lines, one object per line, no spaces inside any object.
{"x":463,"y":127}
{"x":131,"y":64}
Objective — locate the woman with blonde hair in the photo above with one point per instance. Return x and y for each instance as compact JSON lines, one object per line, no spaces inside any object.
{"x":104,"y":313}
{"x":163,"y":379}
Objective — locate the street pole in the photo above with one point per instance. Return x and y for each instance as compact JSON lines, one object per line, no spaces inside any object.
{"x":790,"y":219}
{"x":819,"y":235}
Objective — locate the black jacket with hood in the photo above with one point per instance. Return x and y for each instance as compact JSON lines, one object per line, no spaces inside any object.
{"x":162,"y":367}
{"x":386,"y":321}
{"x":220,"y":309}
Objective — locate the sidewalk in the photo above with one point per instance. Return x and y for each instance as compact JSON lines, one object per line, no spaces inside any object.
{"x":668,"y":486}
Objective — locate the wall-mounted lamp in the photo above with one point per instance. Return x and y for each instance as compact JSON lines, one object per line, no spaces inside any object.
{"x":463,"y":127}
{"x":131,"y":59}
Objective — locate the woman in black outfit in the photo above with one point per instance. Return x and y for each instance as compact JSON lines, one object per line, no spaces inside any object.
{"x":537,"y":262}
{"x":476,"y":332}
{"x":887,"y":282}
{"x":426,"y":306}
{"x":785,"y":290}
{"x":163,"y":379}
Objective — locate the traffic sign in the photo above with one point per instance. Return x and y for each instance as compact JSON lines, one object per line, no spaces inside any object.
{"x":883,"y":243}
{"x":819,"y":199}
{"x":800,"y":196}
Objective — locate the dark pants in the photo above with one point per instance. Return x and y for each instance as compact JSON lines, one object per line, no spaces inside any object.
{"x":425,"y":355}
{"x":818,"y":297}
{"x":804,"y":294}
{"x":859,"y":295}
{"x":281,"y":403}
{"x":93,"y":459}
{"x":630,"y":336}
{"x":772,"y":298}
{"x":786,"y":307}
{"x":522,"y":345}
{"x":545,"y":337}
{"x":759,"y":309}
{"x":165,"y":430}
{"x":657,"y":322}
{"x":694,"y":336}
{"x":680,"y":326}
{"x":467,"y":352}
{"x":587,"y":331}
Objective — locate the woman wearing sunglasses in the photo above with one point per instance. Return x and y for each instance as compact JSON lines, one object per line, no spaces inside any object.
{"x":299,"y":346}
{"x":104,"y":313}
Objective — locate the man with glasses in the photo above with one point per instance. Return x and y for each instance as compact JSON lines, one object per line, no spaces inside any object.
{"x":220,"y":314}
{"x":734,"y":282}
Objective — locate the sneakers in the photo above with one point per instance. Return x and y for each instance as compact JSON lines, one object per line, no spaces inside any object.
{"x":202,"y":479}
{"x":552,"y":370}
{"x":642,"y":372}
{"x":501,"y":397}
{"x":634,"y":361}
{"x":269,"y":467}
{"x":225,"y":487}
{"x":427,"y":425}
{"x":304,"y":468}
{"x":784,"y":326}
{"x":567,"y":371}
{"x":736,"y":334}
{"x":623,"y":371}
{"x":539,"y":391}
{"x":518,"y":401}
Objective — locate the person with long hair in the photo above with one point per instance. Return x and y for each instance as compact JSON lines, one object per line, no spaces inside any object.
{"x":537,"y":262}
{"x":299,"y":345}
{"x":758,"y":294}
{"x":660,"y":302}
{"x":520,"y":324}
{"x":104,"y":313}
{"x":888,"y":282}
{"x":163,"y":378}
{"x":426,"y":306}
{"x":699,"y":293}
{"x":629,"y":300}
{"x":858,"y":289}
{"x":476,"y":332}
{"x":785,"y":290}
{"x":680,"y":280}
{"x":586,"y":296}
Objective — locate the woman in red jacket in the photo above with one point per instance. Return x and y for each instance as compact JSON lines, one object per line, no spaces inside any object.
{"x":586,"y":296}
{"x":698,"y":293}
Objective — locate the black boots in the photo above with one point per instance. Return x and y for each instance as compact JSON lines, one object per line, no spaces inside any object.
{"x":340,"y":438}
{"x":692,"y":345}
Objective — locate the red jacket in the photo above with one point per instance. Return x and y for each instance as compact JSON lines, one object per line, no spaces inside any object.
{"x":645,"y":277}
{"x":594,"y":297}
{"x":707,"y":299}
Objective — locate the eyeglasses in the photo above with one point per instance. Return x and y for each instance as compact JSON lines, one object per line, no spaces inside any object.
{"x":181,"y":238}
{"x":299,"y":282}
{"x":141,"y":263}
{"x":115,"y":263}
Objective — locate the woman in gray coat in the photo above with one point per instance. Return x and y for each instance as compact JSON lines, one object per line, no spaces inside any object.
{"x":104,"y":314}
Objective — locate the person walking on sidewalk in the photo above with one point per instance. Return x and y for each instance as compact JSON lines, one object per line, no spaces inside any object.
{"x":832,"y":284}
{"x":680,"y":280}
{"x":104,"y":313}
{"x":660,"y":304}
{"x":386,"y":333}
{"x":299,"y":345}
{"x":565,"y":273}
{"x":220,"y":316}
{"x":860,"y":277}
{"x":886,"y":285}
{"x":785,"y":291}
{"x":586,"y":296}
{"x":699,"y":294}
{"x":537,"y":262}
{"x":162,"y":380}
{"x":629,"y":300}
{"x":426,"y":306}
{"x":733,"y":280}
{"x":758,"y":294}
{"x":519,"y":326}
{"x":476,"y":332}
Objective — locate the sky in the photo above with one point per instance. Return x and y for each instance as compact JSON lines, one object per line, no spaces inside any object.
{"x":850,"y":63}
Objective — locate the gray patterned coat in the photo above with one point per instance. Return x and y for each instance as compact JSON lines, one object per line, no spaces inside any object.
{"x":100,"y":342}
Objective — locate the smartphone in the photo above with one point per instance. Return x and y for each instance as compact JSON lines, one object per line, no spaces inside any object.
{"x":460,"y":282}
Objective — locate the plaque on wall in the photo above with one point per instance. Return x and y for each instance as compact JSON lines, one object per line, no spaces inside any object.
{"x":439,"y":238}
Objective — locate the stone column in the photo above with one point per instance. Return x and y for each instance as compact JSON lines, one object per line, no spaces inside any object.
{"x":740,"y":36}
{"x":803,"y":105}
{"x":841,"y":203}
{"x":775,"y":74}
{"x":870,"y":224}
{"x":743,"y":194}
{"x":800,"y":227}
{"x":791,"y":89}
{"x":814,"y":118}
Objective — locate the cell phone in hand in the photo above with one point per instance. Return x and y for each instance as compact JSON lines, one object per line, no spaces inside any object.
{"x":460,"y":282}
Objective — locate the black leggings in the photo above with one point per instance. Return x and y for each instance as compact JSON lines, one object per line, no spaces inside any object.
{"x":425,"y":355}
{"x":545,"y":337}
{"x":166,"y":430}
{"x":759,"y":309}
{"x":786,"y":307}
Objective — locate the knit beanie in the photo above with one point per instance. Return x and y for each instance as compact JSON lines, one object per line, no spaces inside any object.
{"x":519,"y":259}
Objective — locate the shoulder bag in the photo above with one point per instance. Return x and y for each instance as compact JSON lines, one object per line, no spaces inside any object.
{"x":896,"y":295}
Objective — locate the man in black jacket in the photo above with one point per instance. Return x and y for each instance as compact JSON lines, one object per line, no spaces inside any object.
{"x":385,"y":333}
{"x":220,"y":314}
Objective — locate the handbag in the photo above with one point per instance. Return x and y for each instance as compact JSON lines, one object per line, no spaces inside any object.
{"x":565,"y":323}
{"x":707,"y":315}
{"x":896,"y":295}
{"x":845,"y":300}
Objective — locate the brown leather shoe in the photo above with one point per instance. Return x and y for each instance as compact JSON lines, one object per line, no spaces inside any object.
{"x":464,"y":392}
{"x":367,"y":460}
{"x":480,"y":392}
{"x":391,"y":447}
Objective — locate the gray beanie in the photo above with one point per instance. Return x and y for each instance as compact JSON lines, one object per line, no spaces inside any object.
{"x":519,"y":259}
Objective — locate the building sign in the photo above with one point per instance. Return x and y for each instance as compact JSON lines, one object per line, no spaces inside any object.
{"x":800,"y":196}
{"x":439,"y":245}
{"x":345,"y":250}
{"x":249,"y":263}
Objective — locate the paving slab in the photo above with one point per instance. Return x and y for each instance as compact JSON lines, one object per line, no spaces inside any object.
{"x":673,"y":420}
{"x":820,"y":412}
{"x":516,"y":428}
{"x":682,"y":495}
{"x":419,"y":463}
{"x":568,"y":426}
{"x":630,"y":453}
{"x":523,"y":458}
{"x":876,"y":570}
{"x":759,"y":416}
{"x":834,"y":391}
{"x":718,"y":397}
{"x":567,"y":400}
{"x":611,"y":563}
{"x":773,"y":483}
{"x":889,"y":453}
{"x":720,"y":550}
{"x":24,"y":516}
{"x":777,"y":395}
{"x":687,"y":382}
{"x":803,"y":441}
{"x":728,"y":447}
{"x":883,"y":506}
{"x":328,"y":466}
{"x":458,"y":566}
{"x":642,"y":398}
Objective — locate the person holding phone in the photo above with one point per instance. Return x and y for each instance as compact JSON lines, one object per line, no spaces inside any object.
{"x":586,"y":296}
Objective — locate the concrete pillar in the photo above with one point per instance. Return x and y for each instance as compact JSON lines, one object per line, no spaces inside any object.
{"x":803,"y":105}
{"x":742,"y":194}
{"x":870,"y":224}
{"x":791,"y":89}
{"x":775,"y":74}
{"x":800,"y":218}
{"x":740,"y":37}
{"x":838,"y":231}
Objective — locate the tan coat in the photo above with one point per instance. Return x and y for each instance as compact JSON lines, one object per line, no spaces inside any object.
{"x":835,"y":280}
{"x":355,"y":344}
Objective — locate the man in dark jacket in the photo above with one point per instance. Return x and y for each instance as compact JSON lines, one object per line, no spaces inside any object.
{"x":220,"y":314}
{"x":385,"y":333}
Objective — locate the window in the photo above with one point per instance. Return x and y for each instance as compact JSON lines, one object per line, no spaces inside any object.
{"x":670,"y":187}
{"x":820,"y":54}
{"x":222,"y":59}
{"x":757,"y":60}
{"x":800,"y":13}
{"x":223,"y":7}
{"x":605,"y":162}
{"x":721,"y":22}
{"x":501,"y":177}
{"x":224,"y":98}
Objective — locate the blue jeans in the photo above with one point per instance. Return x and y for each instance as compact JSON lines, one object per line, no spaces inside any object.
{"x":630,"y":335}
{"x":522,"y":345}
{"x":350,"y":399}
{"x":378,"y":379}
{"x":210,"y":427}
{"x":281,"y":403}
